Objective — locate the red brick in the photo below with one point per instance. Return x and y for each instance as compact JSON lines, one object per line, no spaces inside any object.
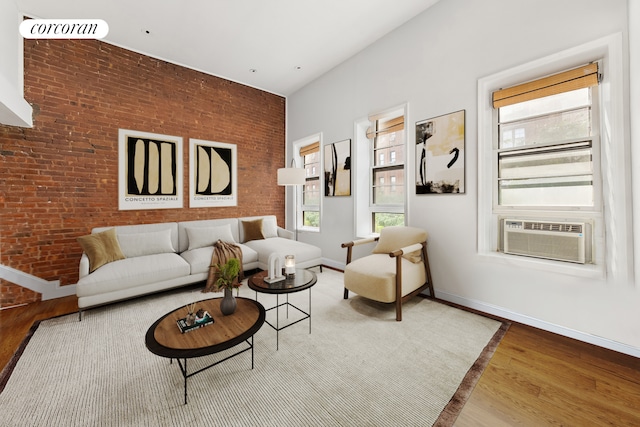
{"x":59,"y":179}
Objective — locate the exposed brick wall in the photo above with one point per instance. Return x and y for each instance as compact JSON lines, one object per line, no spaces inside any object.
{"x":60,"y":178}
{"x":12,"y":295}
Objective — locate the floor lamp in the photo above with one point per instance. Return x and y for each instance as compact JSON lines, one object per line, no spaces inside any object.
{"x":291,"y":177}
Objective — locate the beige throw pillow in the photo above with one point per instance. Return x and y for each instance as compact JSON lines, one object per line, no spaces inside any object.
{"x":101,"y":248}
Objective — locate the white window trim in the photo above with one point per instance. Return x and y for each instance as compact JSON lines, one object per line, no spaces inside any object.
{"x":615,"y":251}
{"x":361,"y":161}
{"x":298,"y":188}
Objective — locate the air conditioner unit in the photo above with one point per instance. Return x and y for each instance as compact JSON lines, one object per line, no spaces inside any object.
{"x":562,"y":241}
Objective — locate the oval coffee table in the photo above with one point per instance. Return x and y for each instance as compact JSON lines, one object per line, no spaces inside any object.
{"x":303,"y":279}
{"x":165,"y":339}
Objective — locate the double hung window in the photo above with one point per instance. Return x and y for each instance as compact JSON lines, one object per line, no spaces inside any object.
{"x":387,"y":170}
{"x":547,"y":148}
{"x":310,"y":155}
{"x":555,"y":152}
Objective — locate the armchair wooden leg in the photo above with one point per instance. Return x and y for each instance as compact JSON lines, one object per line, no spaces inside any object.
{"x":346,"y":293}
{"x":399,"y":288}
{"x":399,"y":310}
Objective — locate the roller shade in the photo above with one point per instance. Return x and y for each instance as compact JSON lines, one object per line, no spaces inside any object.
{"x":388,"y":126}
{"x":577,"y":78}
{"x":314,"y":147}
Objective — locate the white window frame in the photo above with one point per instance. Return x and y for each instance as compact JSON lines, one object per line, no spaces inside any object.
{"x":614,"y":162}
{"x":297,"y":145}
{"x":361,"y":164}
{"x":571,"y":211}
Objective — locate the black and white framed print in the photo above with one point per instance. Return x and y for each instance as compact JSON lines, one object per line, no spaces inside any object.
{"x":440,"y":165}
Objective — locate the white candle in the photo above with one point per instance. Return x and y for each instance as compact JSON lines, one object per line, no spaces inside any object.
{"x":289,"y":265}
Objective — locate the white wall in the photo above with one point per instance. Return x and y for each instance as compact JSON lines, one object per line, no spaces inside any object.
{"x":433,"y":63}
{"x":14,"y":110}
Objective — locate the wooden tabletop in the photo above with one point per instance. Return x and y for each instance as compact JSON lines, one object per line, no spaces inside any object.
{"x":165,"y":339}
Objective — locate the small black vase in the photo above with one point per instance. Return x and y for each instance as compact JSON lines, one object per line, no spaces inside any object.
{"x":228,"y":303}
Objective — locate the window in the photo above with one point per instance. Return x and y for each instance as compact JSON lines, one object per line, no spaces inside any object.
{"x":387,"y":192}
{"x":547,"y":148}
{"x":547,"y":161}
{"x":310,"y":155}
{"x":610,"y":213}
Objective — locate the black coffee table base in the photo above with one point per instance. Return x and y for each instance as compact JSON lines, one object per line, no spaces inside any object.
{"x":232,"y":334}
{"x":182,"y":363}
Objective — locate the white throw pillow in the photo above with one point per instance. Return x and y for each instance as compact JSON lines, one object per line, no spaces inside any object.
{"x":149,"y":243}
{"x":201,"y":237}
{"x":269,"y":227}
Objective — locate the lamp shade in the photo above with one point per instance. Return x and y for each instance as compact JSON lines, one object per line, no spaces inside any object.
{"x":291,"y":176}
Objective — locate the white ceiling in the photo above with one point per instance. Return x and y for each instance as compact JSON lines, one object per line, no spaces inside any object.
{"x":228,"y":38}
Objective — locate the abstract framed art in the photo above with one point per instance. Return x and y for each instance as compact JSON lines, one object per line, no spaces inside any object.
{"x":150,"y":170}
{"x":213,"y":174}
{"x":337,"y":169}
{"x":440,"y":164}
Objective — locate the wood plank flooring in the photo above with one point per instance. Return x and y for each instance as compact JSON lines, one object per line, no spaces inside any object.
{"x":535,"y":378}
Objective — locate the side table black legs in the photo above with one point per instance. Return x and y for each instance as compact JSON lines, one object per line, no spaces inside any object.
{"x":300,"y":281}
{"x":286,"y":304}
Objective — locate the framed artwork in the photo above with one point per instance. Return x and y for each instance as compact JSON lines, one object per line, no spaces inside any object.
{"x":440,"y":154}
{"x":149,"y":170}
{"x":213,"y":174}
{"x":337,"y":169}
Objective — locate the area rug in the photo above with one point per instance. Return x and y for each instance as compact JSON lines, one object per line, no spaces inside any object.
{"x":357,"y":367}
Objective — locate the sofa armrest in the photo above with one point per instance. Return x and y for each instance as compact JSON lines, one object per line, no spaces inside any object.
{"x":283,"y":232}
{"x":84,"y":266}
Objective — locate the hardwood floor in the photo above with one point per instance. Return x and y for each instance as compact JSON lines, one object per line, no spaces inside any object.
{"x":16,"y":322}
{"x":535,"y":378}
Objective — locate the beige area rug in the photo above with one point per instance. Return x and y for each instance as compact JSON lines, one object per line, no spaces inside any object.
{"x":358,"y":367}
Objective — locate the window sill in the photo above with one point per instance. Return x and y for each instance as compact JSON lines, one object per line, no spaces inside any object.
{"x":586,"y":271}
{"x":309,"y":230}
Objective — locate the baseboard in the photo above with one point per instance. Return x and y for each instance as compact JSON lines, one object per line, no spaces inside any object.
{"x":49,"y":289}
{"x":540,"y":324}
{"x":333,"y":264}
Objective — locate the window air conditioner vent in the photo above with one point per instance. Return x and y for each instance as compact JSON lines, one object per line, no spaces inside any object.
{"x":561,"y":241}
{"x":553,"y":226}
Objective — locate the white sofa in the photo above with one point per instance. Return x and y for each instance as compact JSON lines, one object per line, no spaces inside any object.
{"x":167,"y":255}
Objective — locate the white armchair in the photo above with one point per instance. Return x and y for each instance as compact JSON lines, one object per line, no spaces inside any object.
{"x":397,"y":269}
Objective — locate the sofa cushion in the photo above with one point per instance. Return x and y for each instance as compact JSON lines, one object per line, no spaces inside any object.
{"x":200,"y":259}
{"x":183,"y":238}
{"x":252,"y":230}
{"x":302,"y":251}
{"x":132,"y":272}
{"x":145,"y":228}
{"x":101,"y":248}
{"x":147,"y":243}
{"x":200,"y":237}
{"x":269,"y":227}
